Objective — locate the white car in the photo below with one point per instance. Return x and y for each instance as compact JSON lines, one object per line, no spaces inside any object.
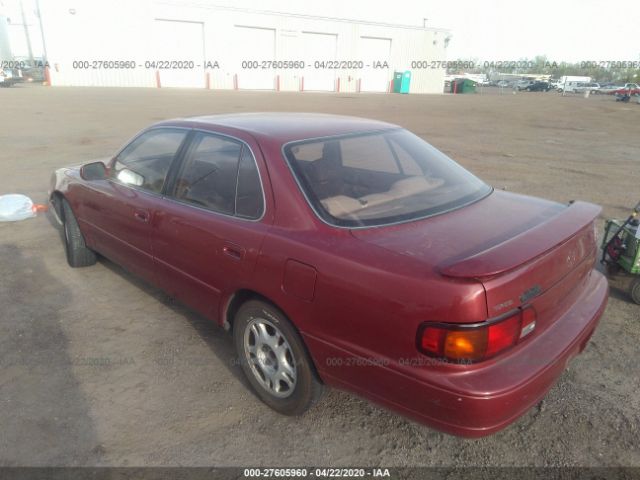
{"x":523,"y":84}
{"x":6,"y":77}
{"x":584,"y":87}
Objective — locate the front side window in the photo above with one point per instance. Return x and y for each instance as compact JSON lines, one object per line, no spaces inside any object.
{"x":146,"y":160}
{"x":220,"y":174}
{"x":380,"y":178}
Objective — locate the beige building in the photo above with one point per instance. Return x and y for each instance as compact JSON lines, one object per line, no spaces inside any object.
{"x":183,"y":43}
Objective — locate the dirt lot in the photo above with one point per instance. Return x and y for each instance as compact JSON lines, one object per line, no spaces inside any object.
{"x":98,"y":368}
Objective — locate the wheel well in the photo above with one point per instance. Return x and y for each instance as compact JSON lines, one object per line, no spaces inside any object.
{"x":244,"y":295}
{"x":56,"y":201}
{"x":237,"y":299}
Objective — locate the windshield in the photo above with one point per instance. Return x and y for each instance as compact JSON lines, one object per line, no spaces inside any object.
{"x":380,"y":178}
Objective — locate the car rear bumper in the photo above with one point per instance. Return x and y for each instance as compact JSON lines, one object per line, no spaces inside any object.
{"x":469,"y":403}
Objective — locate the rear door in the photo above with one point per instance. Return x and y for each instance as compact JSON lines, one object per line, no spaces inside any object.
{"x":207,"y":235}
{"x":118,"y":210}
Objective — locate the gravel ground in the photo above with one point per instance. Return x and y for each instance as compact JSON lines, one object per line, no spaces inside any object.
{"x":99,"y":368}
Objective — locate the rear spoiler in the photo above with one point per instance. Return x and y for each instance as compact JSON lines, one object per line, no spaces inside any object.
{"x":525,"y":246}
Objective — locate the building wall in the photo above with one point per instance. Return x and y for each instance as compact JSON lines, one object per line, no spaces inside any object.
{"x":219,"y":39}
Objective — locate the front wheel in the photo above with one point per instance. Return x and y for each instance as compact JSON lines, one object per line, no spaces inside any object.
{"x":274,"y":359}
{"x":634,"y":290}
{"x":78,"y":254}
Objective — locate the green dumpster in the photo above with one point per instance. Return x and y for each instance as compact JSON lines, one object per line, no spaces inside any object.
{"x":463,"y":85}
{"x":468,"y":86}
{"x":397,"y":82}
{"x":406,"y":80}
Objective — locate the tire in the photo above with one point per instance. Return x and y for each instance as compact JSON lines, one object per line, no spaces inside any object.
{"x":634,"y":290}
{"x":612,"y":269}
{"x":78,"y":255}
{"x":269,"y":348}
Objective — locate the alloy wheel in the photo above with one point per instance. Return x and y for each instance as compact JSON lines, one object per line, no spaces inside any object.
{"x":270,"y":357}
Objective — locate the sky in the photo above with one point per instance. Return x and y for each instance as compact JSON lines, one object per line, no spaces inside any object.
{"x":563,"y":30}
{"x":489,"y":30}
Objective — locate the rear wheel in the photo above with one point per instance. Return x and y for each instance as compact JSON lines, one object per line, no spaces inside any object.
{"x":274,"y":359}
{"x":634,"y":290}
{"x":78,"y":254}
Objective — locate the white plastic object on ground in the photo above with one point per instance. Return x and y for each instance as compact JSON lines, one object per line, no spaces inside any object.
{"x":15,"y":207}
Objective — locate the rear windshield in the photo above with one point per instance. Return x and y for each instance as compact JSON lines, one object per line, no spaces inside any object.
{"x":380,"y":178}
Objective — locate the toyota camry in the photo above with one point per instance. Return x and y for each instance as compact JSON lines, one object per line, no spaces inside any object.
{"x":348,"y":253}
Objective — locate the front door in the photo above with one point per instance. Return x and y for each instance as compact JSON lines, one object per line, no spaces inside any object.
{"x":119,"y":210}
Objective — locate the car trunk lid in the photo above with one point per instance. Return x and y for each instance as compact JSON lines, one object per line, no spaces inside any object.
{"x":524,"y":251}
{"x":540,"y":266}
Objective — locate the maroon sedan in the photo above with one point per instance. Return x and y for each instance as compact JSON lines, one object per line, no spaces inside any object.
{"x":350,"y":253}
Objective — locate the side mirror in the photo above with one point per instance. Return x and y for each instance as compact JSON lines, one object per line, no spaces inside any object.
{"x":93,"y":171}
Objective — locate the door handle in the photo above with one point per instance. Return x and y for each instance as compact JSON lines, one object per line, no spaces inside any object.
{"x":141,"y":215}
{"x":233,"y":251}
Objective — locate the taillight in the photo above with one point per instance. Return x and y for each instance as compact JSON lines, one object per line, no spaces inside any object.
{"x":476,"y":342}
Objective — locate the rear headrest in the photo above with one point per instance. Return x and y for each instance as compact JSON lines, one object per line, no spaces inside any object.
{"x":327,"y":167}
{"x":331,"y":153}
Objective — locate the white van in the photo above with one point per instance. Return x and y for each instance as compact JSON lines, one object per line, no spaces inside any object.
{"x":571,"y":87}
{"x":569,"y":82}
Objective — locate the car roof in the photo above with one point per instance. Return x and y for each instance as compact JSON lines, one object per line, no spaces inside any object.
{"x":285,"y":127}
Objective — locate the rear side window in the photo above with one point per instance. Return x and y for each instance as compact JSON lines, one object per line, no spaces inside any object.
{"x":249,"y":200}
{"x":220,"y":174}
{"x":146,"y":160}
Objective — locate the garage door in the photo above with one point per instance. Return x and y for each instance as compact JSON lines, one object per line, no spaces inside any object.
{"x":181,"y":43}
{"x":319,"y":47}
{"x":373,"y":50}
{"x":255,"y":44}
